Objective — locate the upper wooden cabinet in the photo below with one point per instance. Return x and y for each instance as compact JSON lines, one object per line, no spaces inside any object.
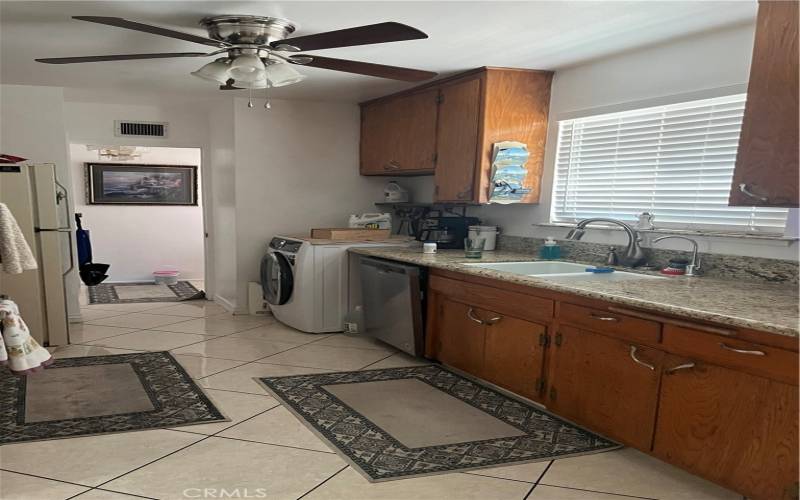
{"x":470,"y":112}
{"x":398,"y":136}
{"x":767,"y":162}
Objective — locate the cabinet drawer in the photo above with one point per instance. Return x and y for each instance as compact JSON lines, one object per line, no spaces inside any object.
{"x":615,"y":324}
{"x":514,"y":304}
{"x":769,"y":362}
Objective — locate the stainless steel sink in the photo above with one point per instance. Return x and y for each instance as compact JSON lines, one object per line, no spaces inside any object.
{"x":559,"y":270}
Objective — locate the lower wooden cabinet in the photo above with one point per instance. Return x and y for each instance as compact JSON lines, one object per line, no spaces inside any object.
{"x":606,"y":384}
{"x":733,"y":428}
{"x":504,"y":350}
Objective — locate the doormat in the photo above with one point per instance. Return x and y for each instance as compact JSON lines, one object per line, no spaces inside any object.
{"x":99,"y":395}
{"x":406,"y":422}
{"x":124,"y":293}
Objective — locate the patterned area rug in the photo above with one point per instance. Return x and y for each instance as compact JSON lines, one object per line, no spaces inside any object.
{"x":101,"y":394}
{"x":122,"y":293}
{"x":405,"y":422}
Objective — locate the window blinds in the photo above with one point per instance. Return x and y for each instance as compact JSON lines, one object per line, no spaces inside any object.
{"x":673,"y":161}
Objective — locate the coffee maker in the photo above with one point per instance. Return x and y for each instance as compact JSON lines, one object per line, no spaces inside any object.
{"x":446,"y":232}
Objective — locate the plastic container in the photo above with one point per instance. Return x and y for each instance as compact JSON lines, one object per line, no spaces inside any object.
{"x":166,"y":277}
{"x":488,"y":233}
{"x":550,"y":250}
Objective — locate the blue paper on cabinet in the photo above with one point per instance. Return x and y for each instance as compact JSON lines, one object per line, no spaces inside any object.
{"x":508,"y":172}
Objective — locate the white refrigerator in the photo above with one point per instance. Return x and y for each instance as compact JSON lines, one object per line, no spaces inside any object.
{"x":39,"y":203}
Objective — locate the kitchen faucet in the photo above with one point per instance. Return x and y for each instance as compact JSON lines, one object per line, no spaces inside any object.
{"x":693,"y":268}
{"x":633,"y":256}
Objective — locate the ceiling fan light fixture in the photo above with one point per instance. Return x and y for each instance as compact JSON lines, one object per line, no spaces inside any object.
{"x":247,"y":68}
{"x":216,"y":71}
{"x":282,"y":74}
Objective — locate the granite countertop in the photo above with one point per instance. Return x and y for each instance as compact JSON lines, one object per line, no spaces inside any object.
{"x":766,"y":307}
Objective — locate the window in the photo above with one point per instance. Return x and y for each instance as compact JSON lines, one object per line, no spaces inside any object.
{"x":673,"y":161}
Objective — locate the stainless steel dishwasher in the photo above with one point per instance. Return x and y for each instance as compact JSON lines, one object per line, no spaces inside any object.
{"x":393,"y":299}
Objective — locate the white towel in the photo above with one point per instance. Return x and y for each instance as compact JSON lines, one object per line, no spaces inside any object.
{"x":15,"y":254}
{"x":21,"y":351}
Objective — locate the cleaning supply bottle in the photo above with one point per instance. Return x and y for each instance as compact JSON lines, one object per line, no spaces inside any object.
{"x":550,"y":250}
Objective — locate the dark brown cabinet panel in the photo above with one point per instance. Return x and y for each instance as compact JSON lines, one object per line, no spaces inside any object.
{"x":398,"y":136}
{"x":767,"y":161}
{"x":457,"y":143}
{"x":460,"y":339}
{"x":608,"y":385}
{"x":731,"y":427}
{"x":514,"y":354}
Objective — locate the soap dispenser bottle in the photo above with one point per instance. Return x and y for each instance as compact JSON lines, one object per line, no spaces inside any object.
{"x":550,"y":250}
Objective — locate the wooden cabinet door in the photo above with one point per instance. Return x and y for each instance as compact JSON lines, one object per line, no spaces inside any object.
{"x":596,"y":381}
{"x":457,"y":144}
{"x":513,"y":355}
{"x":767,"y":161}
{"x":460,"y":337}
{"x":398,"y":135}
{"x":731,"y":427}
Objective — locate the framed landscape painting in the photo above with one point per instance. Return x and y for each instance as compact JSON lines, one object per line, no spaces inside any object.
{"x":115,"y":184}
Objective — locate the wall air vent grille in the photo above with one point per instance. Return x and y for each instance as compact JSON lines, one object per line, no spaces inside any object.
{"x":140,"y":129}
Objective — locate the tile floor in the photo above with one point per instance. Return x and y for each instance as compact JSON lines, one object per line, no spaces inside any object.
{"x":264,"y":452}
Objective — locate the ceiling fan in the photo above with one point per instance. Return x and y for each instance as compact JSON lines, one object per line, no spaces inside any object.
{"x":256,"y":52}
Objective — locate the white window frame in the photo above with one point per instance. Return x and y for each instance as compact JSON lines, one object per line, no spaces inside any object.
{"x":641,"y":105}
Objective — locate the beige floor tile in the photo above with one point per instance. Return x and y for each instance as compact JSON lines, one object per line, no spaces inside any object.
{"x":277,"y":426}
{"x":105,"y":495}
{"x":208,"y":326}
{"x":241,"y":378}
{"x":92,"y":460}
{"x":399,"y":360}
{"x":644,"y":476}
{"x":21,"y":487}
{"x":88,"y":315}
{"x":356,"y":341}
{"x":283,"y":473}
{"x":137,"y":320}
{"x":234,"y":405}
{"x":329,"y":358}
{"x":85,"y":332}
{"x":193,"y":309}
{"x":235,"y":348}
{"x":199,"y":367}
{"x":149,"y":340}
{"x":542,"y":492}
{"x":351,"y":485}
{"x":79,"y":351}
{"x":522,"y":472}
{"x":127,"y":307}
{"x":278,"y":332}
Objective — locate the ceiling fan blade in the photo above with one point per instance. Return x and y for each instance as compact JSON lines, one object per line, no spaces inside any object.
{"x":363,"y":35}
{"x":155,"y":30}
{"x":363,"y":68}
{"x":119,"y":57}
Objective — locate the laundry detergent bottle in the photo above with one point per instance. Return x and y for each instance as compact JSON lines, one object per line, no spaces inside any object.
{"x":550,"y":250}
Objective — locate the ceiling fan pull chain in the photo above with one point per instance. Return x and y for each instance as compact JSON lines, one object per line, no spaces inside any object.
{"x":267,"y":104}
{"x":250,"y":98}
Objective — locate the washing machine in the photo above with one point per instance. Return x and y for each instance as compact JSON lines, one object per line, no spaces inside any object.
{"x":307,"y":282}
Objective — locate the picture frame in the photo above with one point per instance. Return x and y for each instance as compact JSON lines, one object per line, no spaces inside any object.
{"x":141,"y":184}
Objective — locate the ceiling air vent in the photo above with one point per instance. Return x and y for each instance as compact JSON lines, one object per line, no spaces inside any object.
{"x":140,"y":129}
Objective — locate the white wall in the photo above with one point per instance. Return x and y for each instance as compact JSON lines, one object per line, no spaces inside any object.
{"x":296,"y":168}
{"x":136,"y":240}
{"x":32,"y":126}
{"x":694,"y":67}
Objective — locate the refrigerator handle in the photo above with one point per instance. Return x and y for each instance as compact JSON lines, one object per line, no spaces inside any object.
{"x":61,"y":195}
{"x":71,"y":255}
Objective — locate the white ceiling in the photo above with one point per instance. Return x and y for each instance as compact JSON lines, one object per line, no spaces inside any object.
{"x":463,"y":35}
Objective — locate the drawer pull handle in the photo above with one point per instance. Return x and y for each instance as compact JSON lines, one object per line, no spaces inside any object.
{"x":742,"y":351}
{"x":684,"y":366}
{"x":639,"y":361}
{"x":471,"y":315}
{"x":494,"y":320}
{"x":599,"y":317}
{"x":392,"y":165}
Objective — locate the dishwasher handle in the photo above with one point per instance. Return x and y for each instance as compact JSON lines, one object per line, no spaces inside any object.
{"x":389,"y":267}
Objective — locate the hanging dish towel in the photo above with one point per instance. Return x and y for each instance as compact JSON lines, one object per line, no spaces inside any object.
{"x":21,"y":351}
{"x":15,"y":254}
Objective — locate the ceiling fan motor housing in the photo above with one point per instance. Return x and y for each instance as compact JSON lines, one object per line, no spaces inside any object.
{"x":248,"y":30}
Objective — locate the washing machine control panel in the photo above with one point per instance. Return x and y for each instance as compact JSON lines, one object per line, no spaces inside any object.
{"x":284,"y":245}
